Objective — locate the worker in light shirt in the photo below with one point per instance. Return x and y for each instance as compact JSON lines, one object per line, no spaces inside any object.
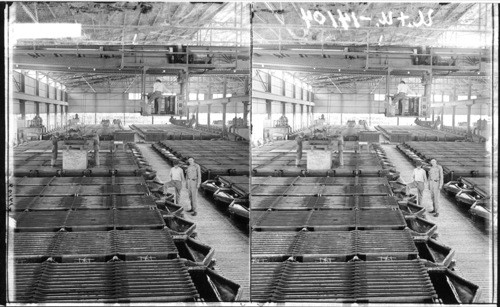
{"x":403,"y":90}
{"x":435,"y":184}
{"x":176,"y":180}
{"x":193,"y":182}
{"x":419,"y":181}
{"x":158,"y":90}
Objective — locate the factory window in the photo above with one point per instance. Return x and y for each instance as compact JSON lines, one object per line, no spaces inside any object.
{"x":201,"y":96}
{"x":465,"y":97}
{"x":217,"y":96}
{"x":192,"y":96}
{"x":379,"y":97}
{"x":134,"y":96}
{"x":441,"y":98}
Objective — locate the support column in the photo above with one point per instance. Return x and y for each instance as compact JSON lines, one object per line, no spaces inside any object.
{"x":294,"y":112}
{"x":283,"y":108}
{"x":22,"y":80}
{"x":387,"y":98}
{"x":245,"y":113}
{"x":469,"y":107}
{"x":268,"y":108}
{"x":428,"y":94}
{"x":197,"y":114}
{"x":37,"y":84}
{"x":124,"y":99}
{"x":47,"y":108}
{"x":453,"y":117}
{"x":341,"y":108}
{"x":224,"y":108}
{"x":55,"y":115}
{"x":95,"y":108}
{"x":37,"y":108}
{"x":22,"y":109}
{"x":432,"y":114}
{"x":301,"y":116}
{"x":185,"y":96}
{"x":66,"y":115}
{"x":208,"y":114}
{"x":62,"y":116}
{"x":187,"y":113}
{"x":442,"y":112}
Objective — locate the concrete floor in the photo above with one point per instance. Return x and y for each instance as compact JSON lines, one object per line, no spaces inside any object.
{"x":475,"y":247}
{"x":214,"y":228}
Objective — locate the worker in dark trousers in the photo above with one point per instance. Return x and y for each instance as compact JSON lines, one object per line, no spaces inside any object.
{"x":193,"y":182}
{"x":419,"y":181}
{"x":96,"y":147}
{"x":299,"y":139}
{"x":176,"y":181}
{"x":55,"y":148}
{"x":435,"y":184}
{"x":158,"y":90}
{"x":401,"y":94}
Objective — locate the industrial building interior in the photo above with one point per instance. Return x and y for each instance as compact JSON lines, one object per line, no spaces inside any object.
{"x":306,"y":142}
{"x":331,"y":216}
{"x":111,"y":229}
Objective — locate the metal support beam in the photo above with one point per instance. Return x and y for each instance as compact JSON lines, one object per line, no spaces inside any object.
{"x":301,"y":116}
{"x":208,"y":114}
{"x":22,"y":109}
{"x":47,"y":107}
{"x":453,"y":117}
{"x":28,"y":97}
{"x":283,"y":108}
{"x":294,"y":111}
{"x":144,"y":100}
{"x":234,"y":99}
{"x":269,"y":96}
{"x":95,"y":108}
{"x":55,"y":115}
{"x":224,"y":111}
{"x":198,"y":114}
{"x":469,"y":107}
{"x":245,"y":112}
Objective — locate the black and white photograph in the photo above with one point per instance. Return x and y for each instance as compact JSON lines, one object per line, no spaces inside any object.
{"x":250,"y":153}
{"x":129,"y":149}
{"x":373,"y":152}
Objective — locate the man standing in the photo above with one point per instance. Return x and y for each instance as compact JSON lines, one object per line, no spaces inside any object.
{"x":176,"y":180}
{"x":299,"y":139}
{"x":435,"y":185}
{"x":55,"y":148}
{"x":193,"y":179}
{"x":419,"y":182}
{"x":400,"y":96}
{"x":157,"y":92}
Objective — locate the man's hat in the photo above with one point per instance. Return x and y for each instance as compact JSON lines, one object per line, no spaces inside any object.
{"x":418,"y":163}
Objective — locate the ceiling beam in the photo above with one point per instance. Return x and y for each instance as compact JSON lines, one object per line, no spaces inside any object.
{"x":219,"y":100}
{"x":335,"y":85}
{"x":28,"y":11}
{"x":89,"y":84}
{"x":270,"y":96}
